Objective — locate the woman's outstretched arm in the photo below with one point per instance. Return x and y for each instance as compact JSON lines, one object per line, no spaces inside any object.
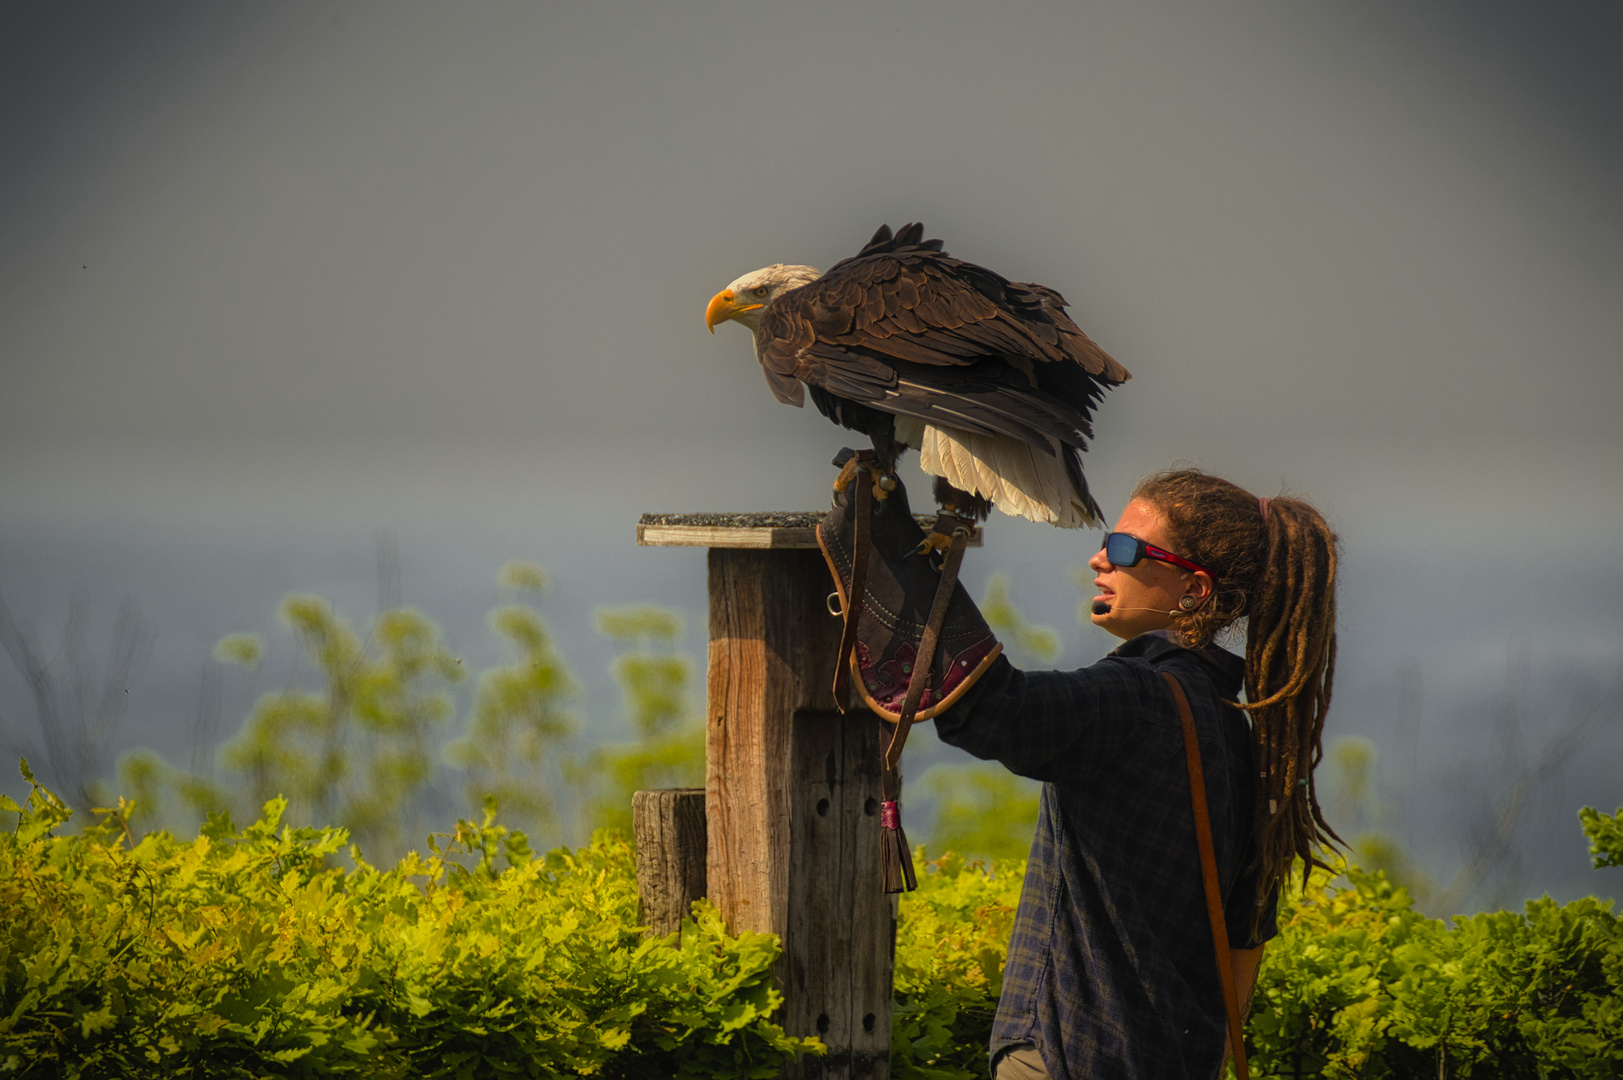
{"x":1048,"y":725}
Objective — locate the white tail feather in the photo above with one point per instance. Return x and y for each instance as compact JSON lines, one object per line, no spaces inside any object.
{"x":1019,"y":479}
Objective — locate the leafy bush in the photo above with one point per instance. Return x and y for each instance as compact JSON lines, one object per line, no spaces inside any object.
{"x":251,"y":953}
{"x":1605,"y":832}
{"x":1360,"y":985}
{"x":1357,"y":985}
{"x":357,"y":750}
{"x":654,"y":679}
{"x":248,"y":953}
{"x":351,"y":740}
{"x":951,"y":942}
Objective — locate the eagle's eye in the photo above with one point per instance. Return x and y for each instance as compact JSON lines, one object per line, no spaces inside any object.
{"x":759,"y":290}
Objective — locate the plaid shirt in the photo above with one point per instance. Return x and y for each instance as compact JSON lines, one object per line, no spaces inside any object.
{"x":1110,"y":970}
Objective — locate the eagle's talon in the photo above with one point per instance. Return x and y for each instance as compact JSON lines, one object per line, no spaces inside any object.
{"x":847,"y":472}
{"x":935,"y":542}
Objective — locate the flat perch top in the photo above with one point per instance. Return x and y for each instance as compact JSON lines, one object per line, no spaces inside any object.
{"x":768,"y":529}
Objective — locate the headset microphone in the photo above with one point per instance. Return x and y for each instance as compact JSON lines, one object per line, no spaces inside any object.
{"x":1101,"y":607}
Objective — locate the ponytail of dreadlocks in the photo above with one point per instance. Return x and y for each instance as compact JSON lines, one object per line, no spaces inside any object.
{"x":1277,"y":570}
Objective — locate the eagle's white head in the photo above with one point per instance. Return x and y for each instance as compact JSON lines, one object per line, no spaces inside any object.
{"x":743,"y":300}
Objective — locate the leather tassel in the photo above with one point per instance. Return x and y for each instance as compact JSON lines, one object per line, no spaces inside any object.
{"x":893,"y":849}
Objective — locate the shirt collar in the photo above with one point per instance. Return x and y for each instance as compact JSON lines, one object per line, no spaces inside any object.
{"x":1158,"y":646}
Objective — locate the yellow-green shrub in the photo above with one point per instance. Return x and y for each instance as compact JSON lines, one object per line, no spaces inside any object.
{"x":1357,"y":985}
{"x":251,"y":954}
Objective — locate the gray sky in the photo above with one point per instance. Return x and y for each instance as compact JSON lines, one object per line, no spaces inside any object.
{"x":275,"y":276}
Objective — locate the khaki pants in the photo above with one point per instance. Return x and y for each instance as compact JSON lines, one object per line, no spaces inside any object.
{"x":1021,"y":1062}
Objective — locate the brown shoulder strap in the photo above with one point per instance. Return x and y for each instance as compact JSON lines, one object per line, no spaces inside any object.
{"x":1208,"y":873}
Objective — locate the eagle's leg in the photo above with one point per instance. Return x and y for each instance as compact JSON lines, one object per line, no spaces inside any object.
{"x":957,"y":508}
{"x":886,"y":450}
{"x":851,"y":462}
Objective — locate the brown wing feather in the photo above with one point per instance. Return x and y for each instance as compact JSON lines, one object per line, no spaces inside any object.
{"x":886,"y":326}
{"x":1072,"y":340}
{"x":905,"y":298}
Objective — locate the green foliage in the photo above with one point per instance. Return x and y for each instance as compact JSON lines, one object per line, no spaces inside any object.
{"x":952,"y":939}
{"x":1352,"y":763}
{"x":512,"y":746}
{"x":1605,"y":832}
{"x":983,"y":810}
{"x":1039,"y":643}
{"x":1357,"y":813}
{"x":144,"y":775}
{"x":523,"y":575}
{"x":242,"y":649}
{"x":250,"y":954}
{"x":653,"y":679}
{"x":1357,"y":985}
{"x":253,"y":953}
{"x":359,"y":748}
{"x":1361,"y":985}
{"x":159,"y":794}
{"x":669,"y":749}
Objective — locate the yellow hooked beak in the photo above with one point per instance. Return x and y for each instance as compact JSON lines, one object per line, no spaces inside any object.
{"x":723,"y":306}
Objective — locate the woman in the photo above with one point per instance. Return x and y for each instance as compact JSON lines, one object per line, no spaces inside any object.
{"x":1111,"y":971}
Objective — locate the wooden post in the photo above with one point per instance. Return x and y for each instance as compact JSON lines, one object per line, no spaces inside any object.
{"x":791,"y":785}
{"x":670,"y":832}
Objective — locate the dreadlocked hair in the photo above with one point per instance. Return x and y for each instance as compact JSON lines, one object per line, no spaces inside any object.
{"x":1276,"y":568}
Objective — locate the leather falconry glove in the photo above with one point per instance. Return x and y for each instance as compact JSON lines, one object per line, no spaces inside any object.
{"x":914,"y":641}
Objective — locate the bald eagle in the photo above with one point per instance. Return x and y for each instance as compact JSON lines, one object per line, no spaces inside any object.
{"x":987,"y":378}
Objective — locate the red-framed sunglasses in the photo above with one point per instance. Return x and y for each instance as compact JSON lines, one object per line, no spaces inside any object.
{"x":1125,"y":549}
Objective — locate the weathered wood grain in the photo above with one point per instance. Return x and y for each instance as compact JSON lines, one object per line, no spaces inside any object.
{"x":704,"y":536}
{"x":792,"y":791}
{"x":669,"y":825}
{"x":838,"y":949}
{"x":770,"y":656}
{"x":777,"y":530}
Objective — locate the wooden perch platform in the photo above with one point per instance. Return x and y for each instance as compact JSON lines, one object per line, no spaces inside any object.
{"x":768,"y":530}
{"x":792,"y":790}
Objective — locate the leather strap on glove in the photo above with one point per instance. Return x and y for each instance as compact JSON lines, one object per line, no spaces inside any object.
{"x":891,"y":616}
{"x":914,"y":640}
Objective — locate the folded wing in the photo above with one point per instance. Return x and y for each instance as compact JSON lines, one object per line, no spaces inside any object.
{"x":1003,"y":378}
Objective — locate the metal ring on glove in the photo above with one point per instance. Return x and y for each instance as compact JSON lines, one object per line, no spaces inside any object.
{"x":832,"y":601}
